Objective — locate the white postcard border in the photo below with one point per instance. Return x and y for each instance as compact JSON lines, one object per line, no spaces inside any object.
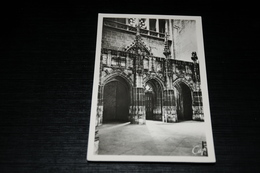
{"x":130,"y":158}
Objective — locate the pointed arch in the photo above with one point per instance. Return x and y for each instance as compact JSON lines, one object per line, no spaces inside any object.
{"x":116,"y":92}
{"x":177,"y":82}
{"x":153,"y":99}
{"x":157,"y":79}
{"x":184,"y":99}
{"x":116,"y":74}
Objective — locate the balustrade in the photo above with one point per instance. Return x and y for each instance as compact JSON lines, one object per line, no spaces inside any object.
{"x":129,"y":28}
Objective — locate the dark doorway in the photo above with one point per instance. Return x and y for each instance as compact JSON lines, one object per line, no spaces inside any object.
{"x":153,"y":100}
{"x":116,"y":101}
{"x":184,"y":102}
{"x":149,"y":105}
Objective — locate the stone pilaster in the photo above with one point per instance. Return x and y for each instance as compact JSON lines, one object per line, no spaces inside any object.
{"x":197,"y":95}
{"x":150,"y":64}
{"x":197,"y":106}
{"x":127,"y":61}
{"x":169,"y":107}
{"x":109,"y":58}
{"x":137,"y":109}
{"x":157,"y":25}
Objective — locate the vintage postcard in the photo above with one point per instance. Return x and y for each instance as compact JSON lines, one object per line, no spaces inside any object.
{"x":150,"y":97}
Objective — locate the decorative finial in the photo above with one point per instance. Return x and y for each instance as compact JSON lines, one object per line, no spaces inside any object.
{"x":166,"y":50}
{"x":194,"y":56}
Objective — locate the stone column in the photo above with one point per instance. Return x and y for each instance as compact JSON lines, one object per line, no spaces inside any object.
{"x":150,"y":64}
{"x":157,"y":25}
{"x":137,"y":113}
{"x":166,"y":26}
{"x":197,"y":95}
{"x":127,"y":61}
{"x":170,"y":29}
{"x":147,"y":23}
{"x":197,"y":106}
{"x":169,"y":106}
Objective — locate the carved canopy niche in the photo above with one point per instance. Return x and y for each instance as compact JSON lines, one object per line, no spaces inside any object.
{"x":138,"y":47}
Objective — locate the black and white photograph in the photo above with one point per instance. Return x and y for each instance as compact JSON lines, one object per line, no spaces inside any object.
{"x":150,"y":97}
{"x":130,"y":86}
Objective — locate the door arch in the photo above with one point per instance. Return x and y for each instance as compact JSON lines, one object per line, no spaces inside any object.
{"x":116,"y":100}
{"x":153,"y":100}
{"x":183,"y":98}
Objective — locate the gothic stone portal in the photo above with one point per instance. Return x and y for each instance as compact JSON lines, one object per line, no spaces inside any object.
{"x":153,"y":100}
{"x":141,"y":77}
{"x":184,"y":102}
{"x":116,"y":101}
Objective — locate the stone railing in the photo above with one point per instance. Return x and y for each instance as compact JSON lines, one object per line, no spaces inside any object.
{"x":123,"y":59}
{"x":129,"y":28}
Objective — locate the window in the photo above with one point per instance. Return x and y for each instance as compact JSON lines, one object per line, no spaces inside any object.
{"x":152,"y":24}
{"x":121,"y":20}
{"x":162,"y":25}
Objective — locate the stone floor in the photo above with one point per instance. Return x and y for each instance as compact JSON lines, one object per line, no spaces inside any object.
{"x":154,"y":138}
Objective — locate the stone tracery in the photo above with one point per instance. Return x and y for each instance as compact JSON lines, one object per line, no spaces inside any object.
{"x":139,"y":68}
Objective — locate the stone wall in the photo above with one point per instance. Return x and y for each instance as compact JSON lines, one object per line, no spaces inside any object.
{"x":116,"y":39}
{"x":118,"y":60}
{"x":156,"y":45}
{"x":112,"y":38}
{"x":185,"y":39}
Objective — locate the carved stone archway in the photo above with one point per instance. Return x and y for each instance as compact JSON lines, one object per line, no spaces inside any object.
{"x":116,"y":100}
{"x":153,"y":100}
{"x":183,"y":99}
